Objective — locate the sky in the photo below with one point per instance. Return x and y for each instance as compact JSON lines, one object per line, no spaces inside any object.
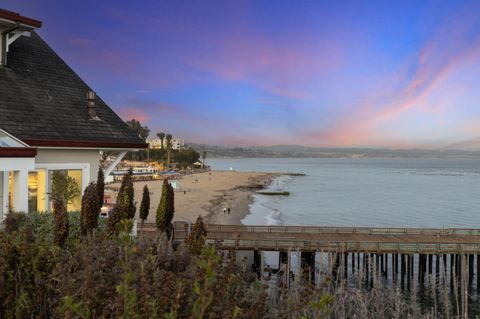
{"x":397,"y":74}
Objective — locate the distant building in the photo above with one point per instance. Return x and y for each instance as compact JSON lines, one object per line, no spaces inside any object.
{"x":156,"y":143}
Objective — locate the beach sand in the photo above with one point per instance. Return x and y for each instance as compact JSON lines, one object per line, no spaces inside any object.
{"x":207,"y":194}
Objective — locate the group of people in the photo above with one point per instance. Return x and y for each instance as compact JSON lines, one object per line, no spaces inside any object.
{"x":226,"y":210}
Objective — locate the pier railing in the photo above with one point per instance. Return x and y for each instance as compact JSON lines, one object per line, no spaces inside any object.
{"x":335,"y":239}
{"x":371,"y":247}
{"x":330,"y":230}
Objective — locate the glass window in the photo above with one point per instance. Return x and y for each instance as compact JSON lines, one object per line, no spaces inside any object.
{"x":32,"y":191}
{"x":37,"y":191}
{"x":74,"y":203}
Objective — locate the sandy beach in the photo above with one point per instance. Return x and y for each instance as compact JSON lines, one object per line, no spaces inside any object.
{"x":207,"y":194}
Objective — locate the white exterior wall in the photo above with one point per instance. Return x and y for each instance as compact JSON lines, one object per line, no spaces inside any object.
{"x":86,"y":160}
{"x":20,"y":168}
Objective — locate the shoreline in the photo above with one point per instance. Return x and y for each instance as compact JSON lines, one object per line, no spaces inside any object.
{"x":238,"y":199}
{"x":207,"y":194}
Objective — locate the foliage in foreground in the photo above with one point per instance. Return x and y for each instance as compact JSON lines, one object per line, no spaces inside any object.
{"x":124,"y":277}
{"x":125,"y":206}
{"x":166,"y":209}
{"x":145,"y":204}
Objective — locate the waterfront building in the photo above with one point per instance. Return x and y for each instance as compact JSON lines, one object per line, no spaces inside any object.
{"x":156,"y":143}
{"x":50,"y":120}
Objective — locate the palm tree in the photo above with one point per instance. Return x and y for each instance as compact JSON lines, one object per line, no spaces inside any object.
{"x":204,"y":156}
{"x":161,"y":136}
{"x":168,"y":137}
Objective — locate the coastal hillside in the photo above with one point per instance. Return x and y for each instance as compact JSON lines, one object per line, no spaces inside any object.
{"x":299,"y":151}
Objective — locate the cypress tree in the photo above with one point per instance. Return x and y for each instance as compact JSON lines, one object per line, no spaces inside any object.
{"x":166,"y":209}
{"x":90,"y":212}
{"x":124,"y":207}
{"x":160,"y":218}
{"x":128,"y":195}
{"x":100,"y":187}
{"x":61,"y":227}
{"x":196,"y":240}
{"x":145,"y":204}
{"x":170,"y":207}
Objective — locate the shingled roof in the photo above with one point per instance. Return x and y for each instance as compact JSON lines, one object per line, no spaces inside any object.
{"x":43,"y":102}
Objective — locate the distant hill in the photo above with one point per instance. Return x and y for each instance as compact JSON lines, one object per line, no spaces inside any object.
{"x":297,"y":151}
{"x":472,"y":145}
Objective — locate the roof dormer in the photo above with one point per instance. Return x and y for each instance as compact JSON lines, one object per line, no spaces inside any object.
{"x":13,"y":26}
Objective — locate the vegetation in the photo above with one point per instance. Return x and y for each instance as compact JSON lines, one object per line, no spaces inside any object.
{"x":136,"y":126}
{"x":61,"y":228}
{"x":90,"y":211}
{"x":64,"y":187}
{"x":125,"y":277}
{"x":168,"y":138}
{"x":196,"y":240}
{"x":161,"y":136}
{"x":145,"y":204}
{"x":125,"y":206}
{"x":166,"y":209}
{"x":100,"y":187}
{"x":204,"y":157}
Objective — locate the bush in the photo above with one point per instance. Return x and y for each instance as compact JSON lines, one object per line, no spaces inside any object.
{"x":124,"y":277}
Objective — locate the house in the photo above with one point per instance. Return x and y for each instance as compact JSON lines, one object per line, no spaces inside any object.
{"x":50,"y":120}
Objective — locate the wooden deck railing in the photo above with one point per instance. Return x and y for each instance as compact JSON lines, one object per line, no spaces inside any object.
{"x":338,"y":239}
{"x":329,"y":230}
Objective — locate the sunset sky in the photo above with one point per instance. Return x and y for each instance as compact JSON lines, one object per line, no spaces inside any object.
{"x":334,"y":73}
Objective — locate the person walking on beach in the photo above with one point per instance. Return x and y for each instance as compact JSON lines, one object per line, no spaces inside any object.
{"x":224,"y":210}
{"x":228,"y":210}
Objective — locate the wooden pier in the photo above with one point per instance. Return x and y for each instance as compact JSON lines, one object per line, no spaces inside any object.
{"x":335,"y":239}
{"x":410,"y":258}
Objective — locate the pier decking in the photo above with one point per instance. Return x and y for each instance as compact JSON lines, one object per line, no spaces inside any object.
{"x":336,"y":239}
{"x":408,"y":257}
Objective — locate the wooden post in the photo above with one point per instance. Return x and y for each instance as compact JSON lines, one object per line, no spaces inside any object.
{"x":478,"y":272}
{"x":257,"y":263}
{"x":395,"y":267}
{"x":386,"y":266}
{"x":430,"y":263}
{"x":420,"y":268}
{"x":288,"y":268}
{"x":367,"y":267}
{"x":470,"y":269}
{"x":382,"y":264}
{"x":452,"y":269}
{"x":409,"y":271}
{"x":437,"y":266}
{"x":345,"y":265}
{"x":353,"y":263}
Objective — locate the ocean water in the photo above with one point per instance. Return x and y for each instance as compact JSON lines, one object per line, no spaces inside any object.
{"x":366,"y":192}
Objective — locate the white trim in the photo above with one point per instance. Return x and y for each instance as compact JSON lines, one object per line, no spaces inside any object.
{"x":14,"y":138}
{"x":20,"y":24}
{"x":89,"y":148}
{"x":85,"y":167}
{"x":17,"y":163}
{"x":5,"y":190}
{"x":114,"y":164}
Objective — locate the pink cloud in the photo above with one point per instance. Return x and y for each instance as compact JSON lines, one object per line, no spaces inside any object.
{"x":276,"y":67}
{"x":133,"y":113}
{"x":450,"y":48}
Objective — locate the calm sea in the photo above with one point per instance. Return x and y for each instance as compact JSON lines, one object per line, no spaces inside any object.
{"x":366,"y":192}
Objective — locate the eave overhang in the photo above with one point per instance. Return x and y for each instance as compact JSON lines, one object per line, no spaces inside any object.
{"x":17,"y":18}
{"x":84,"y":144}
{"x":16,"y":152}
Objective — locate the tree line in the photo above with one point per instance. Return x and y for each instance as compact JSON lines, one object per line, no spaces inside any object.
{"x":182,"y":158}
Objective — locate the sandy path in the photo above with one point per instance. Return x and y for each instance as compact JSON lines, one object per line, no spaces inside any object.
{"x":207,"y":194}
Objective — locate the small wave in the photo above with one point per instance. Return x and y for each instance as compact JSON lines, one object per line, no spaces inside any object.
{"x":273,"y":218}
